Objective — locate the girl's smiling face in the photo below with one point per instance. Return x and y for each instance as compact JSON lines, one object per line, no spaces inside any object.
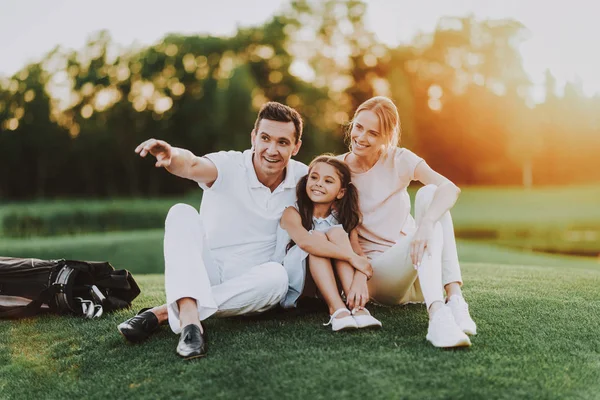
{"x":324,"y":184}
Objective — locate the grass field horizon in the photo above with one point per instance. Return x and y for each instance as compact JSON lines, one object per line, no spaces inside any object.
{"x":553,"y":219}
{"x":537,"y":315}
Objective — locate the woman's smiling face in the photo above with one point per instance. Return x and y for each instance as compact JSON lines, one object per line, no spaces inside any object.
{"x":366,"y":136}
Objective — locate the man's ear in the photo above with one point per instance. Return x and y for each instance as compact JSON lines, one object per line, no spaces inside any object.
{"x":252,"y":137}
{"x":297,"y":148}
{"x":341,"y":194}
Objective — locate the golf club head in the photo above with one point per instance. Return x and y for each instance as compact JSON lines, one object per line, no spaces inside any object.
{"x":98,"y":311}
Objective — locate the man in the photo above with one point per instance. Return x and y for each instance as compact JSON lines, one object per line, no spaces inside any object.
{"x":219,"y":261}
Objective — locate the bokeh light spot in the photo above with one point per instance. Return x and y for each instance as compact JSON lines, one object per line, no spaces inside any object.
{"x":435,"y":104}
{"x":178,"y":88}
{"x":87,"y":111}
{"x":171,"y":50}
{"x":264,"y":51}
{"x":293,"y":100}
{"x":163,"y":104}
{"x":74,"y":130}
{"x":29,"y":96}
{"x":12,"y":124}
{"x":435,"y":92}
{"x":370,"y":60}
{"x":275,"y":76}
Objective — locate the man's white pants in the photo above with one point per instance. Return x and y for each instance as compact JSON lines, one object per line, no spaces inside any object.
{"x":189,"y":272}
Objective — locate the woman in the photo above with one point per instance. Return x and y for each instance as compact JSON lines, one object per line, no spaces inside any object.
{"x":412,"y":260}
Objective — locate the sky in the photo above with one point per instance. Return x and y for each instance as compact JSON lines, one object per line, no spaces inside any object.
{"x":563,"y":36}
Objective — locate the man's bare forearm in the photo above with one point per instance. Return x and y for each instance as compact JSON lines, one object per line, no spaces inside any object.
{"x":182,"y":162}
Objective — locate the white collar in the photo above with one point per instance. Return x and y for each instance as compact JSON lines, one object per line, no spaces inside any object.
{"x":329,"y":219}
{"x":288,"y":182}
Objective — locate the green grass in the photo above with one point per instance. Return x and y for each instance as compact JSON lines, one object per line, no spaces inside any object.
{"x":549,"y":206}
{"x":73,"y":217}
{"x":537,"y":315}
{"x":477,"y":206}
{"x":560,"y":219}
{"x":539,"y":337}
{"x":137,"y":251}
{"x":563,"y":219}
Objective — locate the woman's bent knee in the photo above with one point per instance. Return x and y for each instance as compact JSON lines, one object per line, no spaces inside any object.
{"x":425,"y":194}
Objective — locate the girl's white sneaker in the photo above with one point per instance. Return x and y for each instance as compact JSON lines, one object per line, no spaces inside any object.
{"x":365,"y":320}
{"x":341,"y":324}
{"x":443,"y":331}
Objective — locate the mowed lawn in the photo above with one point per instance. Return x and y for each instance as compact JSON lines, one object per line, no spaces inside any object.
{"x":539,"y":338}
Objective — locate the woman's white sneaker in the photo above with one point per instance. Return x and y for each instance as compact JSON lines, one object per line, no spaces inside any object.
{"x":460,"y":310}
{"x":365,"y":320}
{"x":443,"y":331}
{"x":341,"y":324}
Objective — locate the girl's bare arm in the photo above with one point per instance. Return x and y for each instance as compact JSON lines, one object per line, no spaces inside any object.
{"x":292,"y":223}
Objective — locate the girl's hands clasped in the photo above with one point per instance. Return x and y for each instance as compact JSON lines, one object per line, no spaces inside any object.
{"x":363,"y":265}
{"x":358,"y":295}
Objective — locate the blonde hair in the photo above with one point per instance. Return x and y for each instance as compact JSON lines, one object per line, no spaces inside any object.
{"x":389,"y":120}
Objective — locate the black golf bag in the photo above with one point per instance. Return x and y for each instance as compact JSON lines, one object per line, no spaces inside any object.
{"x":29,"y":285}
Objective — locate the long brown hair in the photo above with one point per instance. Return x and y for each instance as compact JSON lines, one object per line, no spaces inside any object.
{"x":346,"y":209}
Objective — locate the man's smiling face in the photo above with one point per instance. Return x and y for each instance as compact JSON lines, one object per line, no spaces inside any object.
{"x":274,"y":145}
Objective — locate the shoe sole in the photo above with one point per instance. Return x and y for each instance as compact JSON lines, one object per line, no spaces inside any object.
{"x":193,"y":357}
{"x":463,"y":343}
{"x":346,"y":328}
{"x":370,"y":327}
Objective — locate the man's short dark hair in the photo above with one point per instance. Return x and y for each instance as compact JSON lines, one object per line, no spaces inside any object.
{"x":275,"y":111}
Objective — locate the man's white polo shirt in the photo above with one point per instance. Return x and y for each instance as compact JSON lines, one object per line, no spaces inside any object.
{"x":240,"y":215}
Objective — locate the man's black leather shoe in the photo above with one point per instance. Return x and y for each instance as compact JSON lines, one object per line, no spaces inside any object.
{"x":191,"y":342}
{"x":140,"y":327}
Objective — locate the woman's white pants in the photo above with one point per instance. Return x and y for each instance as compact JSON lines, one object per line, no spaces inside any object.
{"x":190,"y":272}
{"x":395,"y":280}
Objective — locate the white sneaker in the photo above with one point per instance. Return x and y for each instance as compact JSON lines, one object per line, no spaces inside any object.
{"x":460,"y":310}
{"x":443,"y":331}
{"x":341,"y":324}
{"x":366,"y":320}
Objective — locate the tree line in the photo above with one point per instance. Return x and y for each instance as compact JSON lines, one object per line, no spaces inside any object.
{"x":69,"y":123}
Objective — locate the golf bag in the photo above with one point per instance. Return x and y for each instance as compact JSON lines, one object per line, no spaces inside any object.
{"x":29,"y":285}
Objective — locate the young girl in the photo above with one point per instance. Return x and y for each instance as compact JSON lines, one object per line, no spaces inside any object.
{"x":326,"y":211}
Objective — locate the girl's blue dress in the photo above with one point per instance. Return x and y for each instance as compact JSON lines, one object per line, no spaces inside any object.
{"x":294,"y":261}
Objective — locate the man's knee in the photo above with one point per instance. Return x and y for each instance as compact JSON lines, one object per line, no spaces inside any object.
{"x":181,"y":211}
{"x":276,"y":278}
